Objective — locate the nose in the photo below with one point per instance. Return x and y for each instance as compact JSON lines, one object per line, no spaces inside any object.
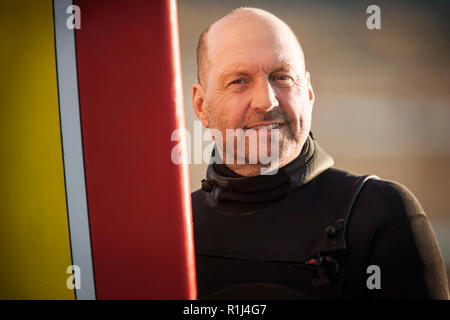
{"x":264,"y":98}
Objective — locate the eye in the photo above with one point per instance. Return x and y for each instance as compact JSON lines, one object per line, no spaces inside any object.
{"x":283,"y":80}
{"x":238,"y":81}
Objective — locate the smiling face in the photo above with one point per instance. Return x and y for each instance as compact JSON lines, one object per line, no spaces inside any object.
{"x":255,"y":80}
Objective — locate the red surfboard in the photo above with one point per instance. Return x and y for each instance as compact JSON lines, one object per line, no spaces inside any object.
{"x":130,"y":94}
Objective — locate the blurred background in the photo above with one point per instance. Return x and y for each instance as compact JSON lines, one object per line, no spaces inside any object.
{"x":382,"y":96}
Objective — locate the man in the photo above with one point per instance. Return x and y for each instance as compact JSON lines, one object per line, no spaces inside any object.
{"x":306,"y":231}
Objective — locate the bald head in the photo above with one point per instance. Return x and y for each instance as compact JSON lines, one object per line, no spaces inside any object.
{"x":238,"y":26}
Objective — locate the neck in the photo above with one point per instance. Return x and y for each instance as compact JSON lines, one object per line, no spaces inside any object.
{"x":230,"y":192}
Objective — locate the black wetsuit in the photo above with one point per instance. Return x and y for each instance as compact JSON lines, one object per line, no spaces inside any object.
{"x":311,"y":232}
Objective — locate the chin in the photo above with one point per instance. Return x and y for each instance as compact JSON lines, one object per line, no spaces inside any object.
{"x":289,"y":153}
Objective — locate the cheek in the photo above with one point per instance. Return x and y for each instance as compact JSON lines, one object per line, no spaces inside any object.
{"x":227,"y":111}
{"x":297,"y":107}
{"x":292,"y":105}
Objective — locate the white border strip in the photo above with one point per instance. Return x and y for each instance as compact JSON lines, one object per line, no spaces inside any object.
{"x":73,"y":150}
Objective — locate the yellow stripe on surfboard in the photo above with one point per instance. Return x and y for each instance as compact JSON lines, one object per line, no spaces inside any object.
{"x":34,"y":235}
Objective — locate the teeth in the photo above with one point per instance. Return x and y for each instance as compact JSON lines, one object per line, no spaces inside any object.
{"x":267,"y":127}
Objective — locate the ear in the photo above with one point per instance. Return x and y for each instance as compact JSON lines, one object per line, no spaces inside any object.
{"x":311,"y":95}
{"x":199,"y":103}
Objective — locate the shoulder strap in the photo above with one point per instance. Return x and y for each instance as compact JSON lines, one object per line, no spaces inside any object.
{"x":358,"y":185}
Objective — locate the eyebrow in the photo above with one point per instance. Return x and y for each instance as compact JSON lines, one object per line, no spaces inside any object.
{"x":238,"y":70}
{"x":283,"y":66}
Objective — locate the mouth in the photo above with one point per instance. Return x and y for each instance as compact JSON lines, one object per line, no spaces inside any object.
{"x":266,"y":126}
